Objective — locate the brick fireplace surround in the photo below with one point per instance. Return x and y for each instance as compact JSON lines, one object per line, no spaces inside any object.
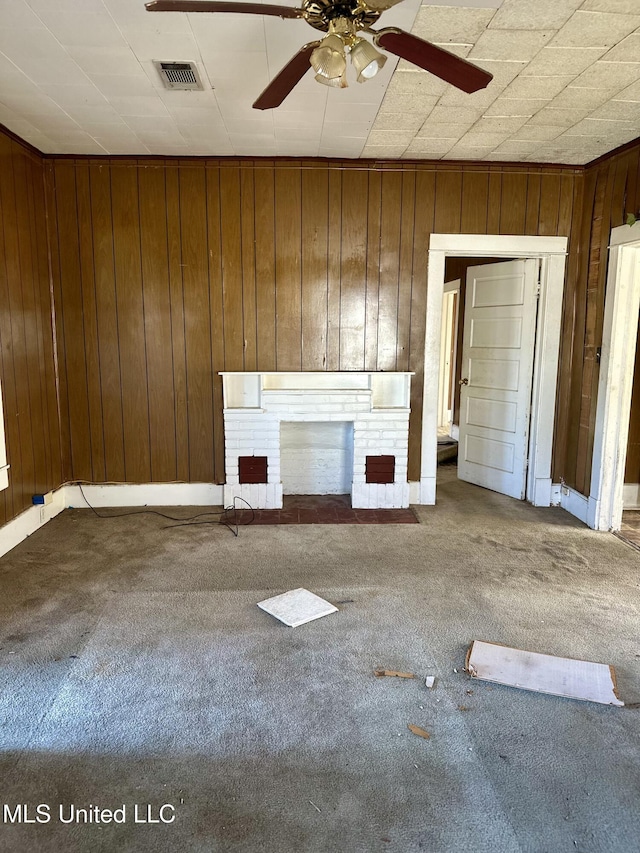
{"x":375,"y":404}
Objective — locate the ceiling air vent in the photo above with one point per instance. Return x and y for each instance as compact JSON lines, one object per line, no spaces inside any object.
{"x":179,"y":75}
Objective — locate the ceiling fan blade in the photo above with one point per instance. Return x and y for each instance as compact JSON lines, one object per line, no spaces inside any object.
{"x":221,"y":6}
{"x":460,"y":73}
{"x":286,"y":79}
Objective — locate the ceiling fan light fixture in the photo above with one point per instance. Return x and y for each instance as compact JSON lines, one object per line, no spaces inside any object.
{"x":336,"y":82}
{"x":328,"y":60}
{"x":366,"y":60}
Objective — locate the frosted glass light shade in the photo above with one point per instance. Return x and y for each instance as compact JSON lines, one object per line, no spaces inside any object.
{"x":328,"y":59}
{"x":366,"y":60}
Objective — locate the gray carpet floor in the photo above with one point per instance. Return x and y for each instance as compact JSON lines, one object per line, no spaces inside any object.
{"x":137,"y":670}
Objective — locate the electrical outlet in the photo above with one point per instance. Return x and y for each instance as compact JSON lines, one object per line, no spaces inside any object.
{"x":43,"y":516}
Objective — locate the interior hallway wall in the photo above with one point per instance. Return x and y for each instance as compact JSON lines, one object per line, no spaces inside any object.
{"x":26,"y":339}
{"x":611,"y":191}
{"x":168,"y":271}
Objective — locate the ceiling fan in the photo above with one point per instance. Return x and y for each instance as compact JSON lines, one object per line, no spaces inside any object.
{"x":342,"y":20}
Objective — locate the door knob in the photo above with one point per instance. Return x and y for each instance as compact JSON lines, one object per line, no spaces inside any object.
{"x":463,"y":382}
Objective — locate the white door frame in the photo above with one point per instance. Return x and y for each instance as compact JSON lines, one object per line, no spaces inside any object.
{"x":552,"y":251}
{"x":615,"y":384}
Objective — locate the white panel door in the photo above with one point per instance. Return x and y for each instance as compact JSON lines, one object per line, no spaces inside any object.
{"x":497,"y":369}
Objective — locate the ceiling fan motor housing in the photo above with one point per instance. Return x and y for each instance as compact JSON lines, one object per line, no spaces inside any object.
{"x":320,"y":13}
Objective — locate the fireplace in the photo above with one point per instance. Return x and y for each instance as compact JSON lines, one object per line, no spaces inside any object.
{"x":316,"y":433}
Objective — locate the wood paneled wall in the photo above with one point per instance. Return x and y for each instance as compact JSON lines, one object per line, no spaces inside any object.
{"x":26,"y":339}
{"x":611,"y":190}
{"x":166,"y":272}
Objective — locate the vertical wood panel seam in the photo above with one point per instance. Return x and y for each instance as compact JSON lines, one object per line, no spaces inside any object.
{"x":64,"y":339}
{"x":211,"y":378}
{"x":171,"y":320}
{"x":84,"y":331}
{"x":144,"y":321}
{"x":184,"y":321}
{"x":53,"y":317}
{"x":21,"y":294}
{"x":101,"y":394}
{"x":115,"y":302}
{"x":37,"y":301}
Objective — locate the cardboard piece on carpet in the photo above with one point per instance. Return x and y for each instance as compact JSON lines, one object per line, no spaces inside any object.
{"x":297,"y":607}
{"x":568,"y":677}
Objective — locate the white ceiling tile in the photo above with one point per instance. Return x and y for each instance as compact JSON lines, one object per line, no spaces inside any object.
{"x":598,"y":129}
{"x":309,"y":134}
{"x":609,"y":75}
{"x":257,"y":126}
{"x":416,"y":84}
{"x":560,"y":157}
{"x":136,"y":105}
{"x":477,"y":139}
{"x":127,"y":13}
{"x":434,"y":130}
{"x":17,"y":14}
{"x":405,"y":103}
{"x":353,"y":130}
{"x":443,"y":114}
{"x":510,"y":151}
{"x":536,"y":133}
{"x":619,"y":111}
{"x":152,"y":124}
{"x":390,"y":137}
{"x":441,"y":24}
{"x":464,"y":152}
{"x":558,"y":61}
{"x":623,"y":7}
{"x":516,"y":106}
{"x":538,"y":15}
{"x":499,"y":124}
{"x":105,"y":60}
{"x":77,"y":95}
{"x":562,"y":118}
{"x":628,"y":50}
{"x":48,"y":74}
{"x":519,"y":46}
{"x":194,"y":99}
{"x":631,"y":93}
{"x":169,"y":47}
{"x":339,"y":111}
{"x":284,"y":119}
{"x":399,"y":121}
{"x":579,"y":98}
{"x":537,"y":87}
{"x":29,"y":44}
{"x":84,"y":28}
{"x":383,"y":152}
{"x":595,"y":29}
{"x":114,"y":86}
{"x":430,"y":147}
{"x":46,"y":8}
{"x":228,"y":65}
{"x":209,"y":117}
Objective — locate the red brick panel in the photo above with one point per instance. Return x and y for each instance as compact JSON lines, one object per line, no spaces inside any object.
{"x":252,"y":469}
{"x":380,"y":469}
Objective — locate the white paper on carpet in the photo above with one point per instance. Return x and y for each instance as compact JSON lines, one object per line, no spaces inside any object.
{"x":297,"y":607}
{"x":574,"y":679}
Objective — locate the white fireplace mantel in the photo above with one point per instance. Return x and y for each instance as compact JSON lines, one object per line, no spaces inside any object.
{"x":376,"y":403}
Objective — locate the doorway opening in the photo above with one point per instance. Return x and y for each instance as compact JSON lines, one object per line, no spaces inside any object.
{"x":617,"y":368}
{"x":551,"y":254}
